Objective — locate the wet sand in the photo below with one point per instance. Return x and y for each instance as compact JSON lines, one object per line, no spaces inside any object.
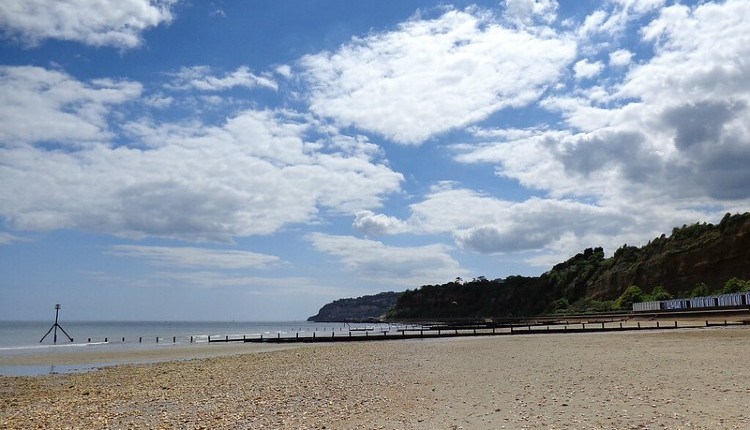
{"x":657,"y":380}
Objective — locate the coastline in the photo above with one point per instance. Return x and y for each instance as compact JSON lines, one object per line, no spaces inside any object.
{"x":678,"y":379}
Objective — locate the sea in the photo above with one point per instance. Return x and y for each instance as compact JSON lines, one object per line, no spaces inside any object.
{"x":37,"y":337}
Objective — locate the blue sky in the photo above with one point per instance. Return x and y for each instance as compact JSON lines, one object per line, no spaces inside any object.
{"x":179,"y":160}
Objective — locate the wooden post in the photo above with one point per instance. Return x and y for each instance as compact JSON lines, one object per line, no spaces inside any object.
{"x":583,"y":325}
{"x":657,"y":324}
{"x":675,"y":324}
{"x":706,"y":323}
{"x":639,"y":324}
{"x":602,"y":326}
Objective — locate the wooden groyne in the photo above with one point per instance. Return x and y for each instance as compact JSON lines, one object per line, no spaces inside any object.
{"x":447,"y":331}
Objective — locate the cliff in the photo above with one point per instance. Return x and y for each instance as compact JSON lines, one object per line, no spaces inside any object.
{"x":363,"y":308}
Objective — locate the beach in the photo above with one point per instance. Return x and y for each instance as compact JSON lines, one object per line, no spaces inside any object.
{"x":683,"y":379}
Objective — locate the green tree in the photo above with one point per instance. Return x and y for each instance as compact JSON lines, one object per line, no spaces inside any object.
{"x":633,"y":294}
{"x":700,"y":290}
{"x":735,"y":285}
{"x":659,"y":293}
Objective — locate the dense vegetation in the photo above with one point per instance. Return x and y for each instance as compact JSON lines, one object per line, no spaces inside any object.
{"x":694,"y":260}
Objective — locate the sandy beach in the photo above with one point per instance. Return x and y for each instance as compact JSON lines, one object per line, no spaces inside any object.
{"x":687,"y":379}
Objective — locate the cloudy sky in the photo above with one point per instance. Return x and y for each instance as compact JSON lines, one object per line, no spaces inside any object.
{"x":219,"y":160}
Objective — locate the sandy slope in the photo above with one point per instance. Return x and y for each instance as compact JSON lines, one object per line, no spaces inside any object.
{"x":675,"y":379}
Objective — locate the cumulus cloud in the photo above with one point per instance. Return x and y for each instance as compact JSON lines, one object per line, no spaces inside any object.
{"x":430,"y":76}
{"x":620,"y":58}
{"x":371,"y":223}
{"x":530,"y":11}
{"x":115,"y":23}
{"x":586,"y":70}
{"x":200,"y":78}
{"x":491,"y":225}
{"x":389,"y":265}
{"x":670,"y":140}
{"x":253,"y":174}
{"x":39,"y":105}
{"x":189,"y":257}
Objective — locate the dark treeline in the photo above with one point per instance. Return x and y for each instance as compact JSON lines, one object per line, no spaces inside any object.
{"x":694,"y":258}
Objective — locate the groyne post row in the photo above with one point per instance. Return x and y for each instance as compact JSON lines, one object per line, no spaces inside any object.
{"x":157,"y":339}
{"x":418,"y":332}
{"x":445,"y":332}
{"x":215,"y":337}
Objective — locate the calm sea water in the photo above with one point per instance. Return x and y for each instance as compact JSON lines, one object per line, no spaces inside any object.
{"x":23,"y":337}
{"x":26,"y":335}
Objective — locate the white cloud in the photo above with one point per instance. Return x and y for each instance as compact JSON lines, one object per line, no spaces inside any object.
{"x":159,"y":101}
{"x":603,"y":27}
{"x":586,"y":70}
{"x":489,"y":225}
{"x":620,"y":58}
{"x":7,"y":238}
{"x":46,"y":105}
{"x":431,"y":76}
{"x":672,"y":140}
{"x":116,"y":23}
{"x":371,"y":223}
{"x":284,"y":70}
{"x":640,"y":6}
{"x":379,"y":263}
{"x":529,"y":11}
{"x":188,"y":257}
{"x":200,"y":78}
{"x":254,"y":174}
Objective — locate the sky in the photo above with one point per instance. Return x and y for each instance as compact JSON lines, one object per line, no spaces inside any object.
{"x":254,"y":160}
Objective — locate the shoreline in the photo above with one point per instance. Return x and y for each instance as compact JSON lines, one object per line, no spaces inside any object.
{"x":96,"y":357}
{"x":64,"y":358}
{"x":667,"y":379}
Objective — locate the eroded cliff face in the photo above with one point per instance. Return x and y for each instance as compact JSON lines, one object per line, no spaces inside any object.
{"x":702,"y":253}
{"x":360,"y":309}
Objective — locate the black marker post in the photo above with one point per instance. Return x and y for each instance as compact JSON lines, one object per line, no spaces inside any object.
{"x":55,"y":326}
